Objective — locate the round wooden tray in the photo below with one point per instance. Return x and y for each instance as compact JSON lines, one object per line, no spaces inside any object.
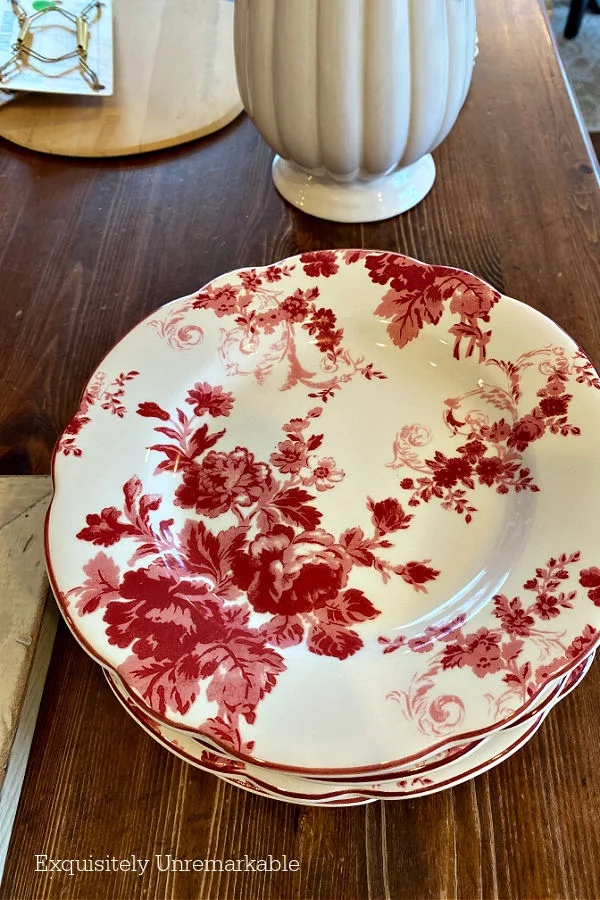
{"x":174,"y":81}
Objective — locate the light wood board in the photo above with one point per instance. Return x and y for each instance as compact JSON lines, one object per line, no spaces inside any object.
{"x":174,"y":81}
{"x":23,"y":589}
{"x":19,"y":754}
{"x":28,"y":620}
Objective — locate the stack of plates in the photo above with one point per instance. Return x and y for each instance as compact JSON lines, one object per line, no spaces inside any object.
{"x":330,"y":526}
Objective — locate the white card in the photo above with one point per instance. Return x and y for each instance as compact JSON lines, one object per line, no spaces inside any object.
{"x":54,"y":35}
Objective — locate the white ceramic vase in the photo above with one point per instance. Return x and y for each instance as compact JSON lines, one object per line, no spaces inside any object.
{"x":353,"y":95}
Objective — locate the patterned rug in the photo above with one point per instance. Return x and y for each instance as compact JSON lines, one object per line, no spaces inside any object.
{"x":581,"y":58}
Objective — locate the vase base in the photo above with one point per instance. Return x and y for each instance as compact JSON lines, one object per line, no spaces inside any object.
{"x":363,"y":201}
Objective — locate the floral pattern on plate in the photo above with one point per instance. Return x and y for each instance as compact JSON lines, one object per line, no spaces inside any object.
{"x":239,"y":540}
{"x":489,"y":753}
{"x":492,"y":448}
{"x":110,"y":398}
{"x":277,"y":560}
{"x":498,"y":650}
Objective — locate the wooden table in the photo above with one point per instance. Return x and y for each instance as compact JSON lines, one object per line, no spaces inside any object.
{"x":89,"y":248}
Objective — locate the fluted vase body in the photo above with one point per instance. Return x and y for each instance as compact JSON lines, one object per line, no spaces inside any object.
{"x":353,"y":95}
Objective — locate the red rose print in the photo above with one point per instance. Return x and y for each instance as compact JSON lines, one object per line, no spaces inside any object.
{"x":555,"y":406}
{"x":547,"y":606}
{"x":322,"y":321}
{"x":490,"y":470}
{"x":268,"y":320}
{"x":526,"y":430}
{"x":498,"y":432}
{"x":284,"y":575}
{"x":322,"y":263}
{"x":181,"y":617}
{"x":165,"y":615}
{"x":222,"y":300}
{"x":554,"y":388}
{"x":500,"y":650}
{"x":447,"y":472}
{"x":290,"y":457}
{"x":323,"y":475}
{"x":222,"y":481}
{"x":480,"y":651}
{"x":295,"y":308}
{"x":515,"y":620}
{"x":492,"y":452}
{"x":274,"y":274}
{"x":473,"y":450}
{"x":184,"y":597}
{"x":250,"y":280}
{"x":259,"y":307}
{"x":388,"y":516}
{"x":212,"y":400}
{"x":590,"y":578}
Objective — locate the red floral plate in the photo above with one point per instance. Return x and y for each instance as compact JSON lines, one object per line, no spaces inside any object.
{"x":334,"y":513}
{"x":452,"y":753}
{"x":487,"y":753}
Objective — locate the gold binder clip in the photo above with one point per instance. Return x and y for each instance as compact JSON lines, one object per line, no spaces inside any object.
{"x":23,"y":47}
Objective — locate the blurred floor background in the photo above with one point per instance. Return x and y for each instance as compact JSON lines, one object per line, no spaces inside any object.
{"x":581,"y":58}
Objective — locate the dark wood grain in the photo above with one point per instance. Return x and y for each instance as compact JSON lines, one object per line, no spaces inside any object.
{"x":87,"y":249}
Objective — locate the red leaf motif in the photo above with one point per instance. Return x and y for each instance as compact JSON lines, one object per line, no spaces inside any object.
{"x":131,"y":491}
{"x":101,"y":585}
{"x":349,"y":607}
{"x":247,"y":671}
{"x":511,"y":650}
{"x":163,"y":684}
{"x":153,"y":411}
{"x":333,"y":640}
{"x":315,"y":442}
{"x":211,"y":554}
{"x":409,"y":313}
{"x":283,"y":631}
{"x":416,"y":297}
{"x":471,"y":297}
{"x":293,"y":506}
{"x":201,"y":440}
{"x":353,"y":540}
{"x":417,"y":574}
{"x":223,"y":731}
{"x":453,"y":656}
{"x":174,"y":458}
{"x":148,"y":503}
{"x":475,"y":336}
{"x":105,"y":529}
